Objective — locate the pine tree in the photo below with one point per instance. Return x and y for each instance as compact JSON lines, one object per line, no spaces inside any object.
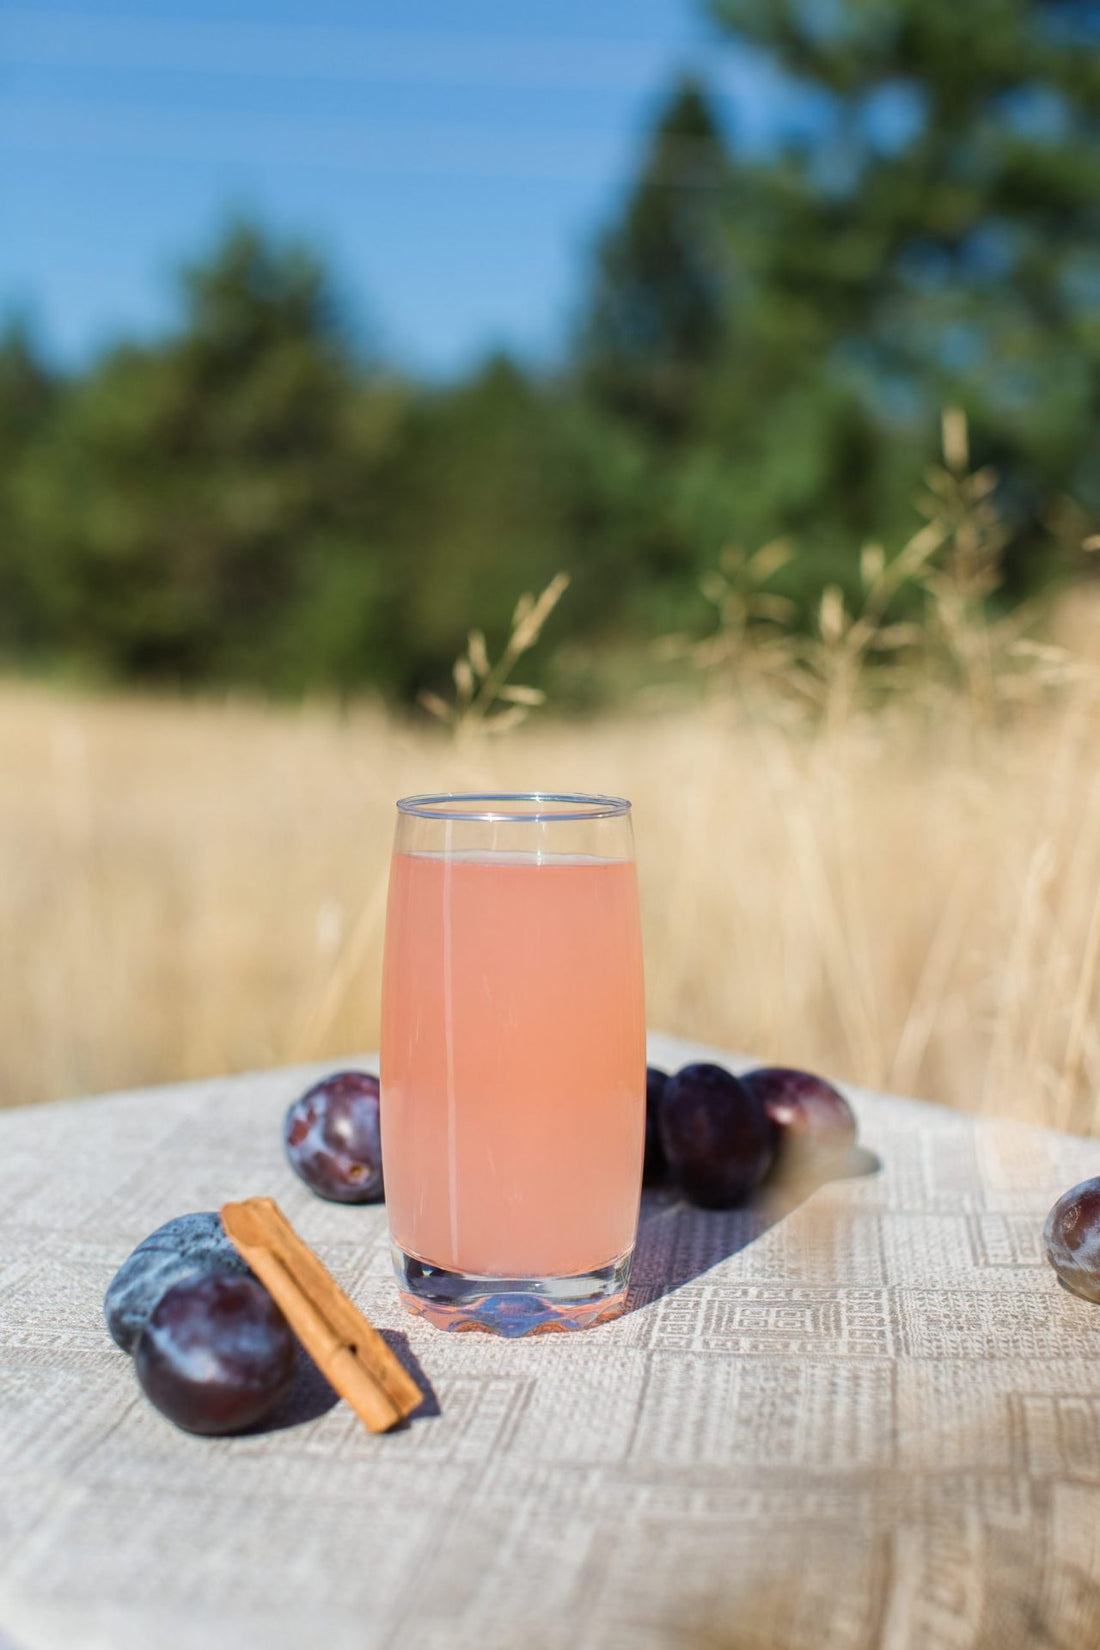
{"x":658,"y":304}
{"x":28,"y":393}
{"x":936,"y":238}
{"x":194,"y":503}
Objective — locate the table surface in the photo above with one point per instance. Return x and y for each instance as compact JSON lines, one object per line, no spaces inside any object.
{"x":873,"y":1420}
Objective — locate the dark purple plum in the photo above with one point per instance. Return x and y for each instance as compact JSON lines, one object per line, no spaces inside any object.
{"x":333,"y":1140}
{"x":716,"y":1136}
{"x":1072,"y":1237}
{"x":187,"y":1247}
{"x":815,"y":1126}
{"x":217,"y":1355}
{"x":655,"y":1169}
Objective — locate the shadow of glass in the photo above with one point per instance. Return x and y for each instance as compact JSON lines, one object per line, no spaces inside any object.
{"x":678,"y":1242}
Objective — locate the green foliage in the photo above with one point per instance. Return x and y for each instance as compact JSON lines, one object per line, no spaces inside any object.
{"x":195,"y":510}
{"x":27,"y":395}
{"x":658,"y":308}
{"x":764,"y":349}
{"x":936,"y":242}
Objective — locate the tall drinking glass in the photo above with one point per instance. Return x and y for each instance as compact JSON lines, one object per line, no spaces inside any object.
{"x":513,"y":1059}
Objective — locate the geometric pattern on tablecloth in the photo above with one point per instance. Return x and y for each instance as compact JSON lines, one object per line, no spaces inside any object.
{"x":872,"y":1422}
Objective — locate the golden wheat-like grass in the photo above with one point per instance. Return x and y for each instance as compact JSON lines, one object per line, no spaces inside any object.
{"x":905,"y":897}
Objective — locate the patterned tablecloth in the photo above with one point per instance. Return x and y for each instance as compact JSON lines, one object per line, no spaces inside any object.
{"x":874,"y":1421}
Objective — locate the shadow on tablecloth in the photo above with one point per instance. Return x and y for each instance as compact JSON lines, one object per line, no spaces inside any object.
{"x":311,"y":1396}
{"x":678,"y":1242}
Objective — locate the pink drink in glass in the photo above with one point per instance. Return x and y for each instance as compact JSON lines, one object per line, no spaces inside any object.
{"x":513,"y":1083}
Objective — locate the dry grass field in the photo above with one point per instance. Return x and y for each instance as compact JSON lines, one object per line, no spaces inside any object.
{"x":907,"y":897}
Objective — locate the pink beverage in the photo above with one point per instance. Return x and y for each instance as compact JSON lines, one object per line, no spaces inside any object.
{"x":513,"y":1070}
{"x":514,"y":1057}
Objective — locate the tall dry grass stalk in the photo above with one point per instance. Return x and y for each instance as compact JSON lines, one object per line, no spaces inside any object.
{"x":486,"y":700}
{"x":884,"y":896}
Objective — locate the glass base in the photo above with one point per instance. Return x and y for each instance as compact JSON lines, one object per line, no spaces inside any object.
{"x":511,"y":1306}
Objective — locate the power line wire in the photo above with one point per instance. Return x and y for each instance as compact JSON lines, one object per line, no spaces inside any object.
{"x":229,"y":48}
{"x":144,"y":133}
{"x":65,"y":40}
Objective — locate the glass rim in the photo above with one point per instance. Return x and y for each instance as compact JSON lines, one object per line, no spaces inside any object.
{"x":549,"y":807}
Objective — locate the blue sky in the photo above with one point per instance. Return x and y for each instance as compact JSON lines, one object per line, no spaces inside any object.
{"x":453,"y":162}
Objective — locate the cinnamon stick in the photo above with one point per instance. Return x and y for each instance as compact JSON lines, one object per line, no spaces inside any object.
{"x":345,"y":1347}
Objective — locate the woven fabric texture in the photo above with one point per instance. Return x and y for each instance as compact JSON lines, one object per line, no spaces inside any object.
{"x":872,"y":1420}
